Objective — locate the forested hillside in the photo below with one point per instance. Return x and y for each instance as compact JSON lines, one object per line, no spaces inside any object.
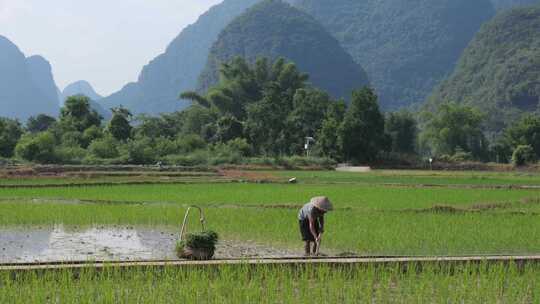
{"x":275,"y":29}
{"x":499,"y":72}
{"x":26,"y":84}
{"x":406,"y":46}
{"x":504,"y":4}
{"x":177,"y":69}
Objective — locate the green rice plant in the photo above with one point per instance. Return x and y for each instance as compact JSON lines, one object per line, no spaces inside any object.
{"x":403,"y":177}
{"x":413,"y":177}
{"x":358,"y":231}
{"x":242,"y":194}
{"x":415,"y":283}
{"x":369,"y":219}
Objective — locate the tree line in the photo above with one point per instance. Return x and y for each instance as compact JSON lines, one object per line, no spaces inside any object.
{"x":262,"y":112}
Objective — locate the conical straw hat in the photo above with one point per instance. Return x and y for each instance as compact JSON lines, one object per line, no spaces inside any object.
{"x":322,"y":202}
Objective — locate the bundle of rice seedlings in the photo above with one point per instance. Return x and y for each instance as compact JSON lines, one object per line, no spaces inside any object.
{"x":197,"y":246}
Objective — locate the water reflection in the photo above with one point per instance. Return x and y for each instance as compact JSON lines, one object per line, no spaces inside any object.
{"x":61,"y":243}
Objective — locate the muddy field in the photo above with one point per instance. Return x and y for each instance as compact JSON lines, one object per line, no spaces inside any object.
{"x":111,"y":243}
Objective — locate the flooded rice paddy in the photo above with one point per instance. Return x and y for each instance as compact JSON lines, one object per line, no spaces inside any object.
{"x":110,"y":243}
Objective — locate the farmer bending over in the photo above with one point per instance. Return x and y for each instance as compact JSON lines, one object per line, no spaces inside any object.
{"x":311,"y":218}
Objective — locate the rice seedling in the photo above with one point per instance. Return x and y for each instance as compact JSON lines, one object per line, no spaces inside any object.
{"x":362,"y":232}
{"x":465,"y":283}
{"x":406,"y":177}
{"x":413,"y":177}
{"x":370,"y":219}
{"x":344,"y":196}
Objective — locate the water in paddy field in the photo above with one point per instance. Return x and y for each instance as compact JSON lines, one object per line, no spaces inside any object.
{"x":97,"y":243}
{"x":102,"y":243}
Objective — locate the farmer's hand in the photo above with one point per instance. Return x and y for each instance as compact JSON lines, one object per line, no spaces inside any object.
{"x":319,"y":238}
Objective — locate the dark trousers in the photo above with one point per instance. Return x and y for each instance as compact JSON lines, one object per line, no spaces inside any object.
{"x":305,"y":232}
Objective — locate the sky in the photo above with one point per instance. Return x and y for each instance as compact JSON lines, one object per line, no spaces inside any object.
{"x":106,"y":42}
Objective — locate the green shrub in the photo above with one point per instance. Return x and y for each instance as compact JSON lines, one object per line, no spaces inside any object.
{"x":10,"y":133}
{"x":165,"y":146}
{"x":37,"y":148}
{"x":523,"y":155}
{"x":70,"y":155}
{"x":232,"y":152}
{"x":261,"y":161}
{"x":189,"y":160}
{"x":190,"y":143}
{"x":291,"y":161}
{"x":105,"y":147}
{"x":396,"y":160}
{"x":223,"y":159}
{"x":72,"y":139}
{"x":461,"y":156}
{"x":141,"y":151}
{"x":444,"y":158}
{"x":239,"y":145}
{"x":91,"y":134}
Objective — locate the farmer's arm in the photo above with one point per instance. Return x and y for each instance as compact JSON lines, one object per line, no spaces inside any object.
{"x":312,"y":227}
{"x":321,"y":222}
